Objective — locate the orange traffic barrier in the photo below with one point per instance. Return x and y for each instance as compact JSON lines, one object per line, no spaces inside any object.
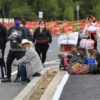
{"x":56,"y":29}
{"x":70,"y":28}
{"x":98,"y":23}
{"x":82,"y":26}
{"x":30,"y":28}
{"x":64,"y":28}
{"x":52,"y":30}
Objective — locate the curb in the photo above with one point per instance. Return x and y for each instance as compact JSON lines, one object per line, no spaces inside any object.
{"x":32,"y":86}
{"x":50,"y":90}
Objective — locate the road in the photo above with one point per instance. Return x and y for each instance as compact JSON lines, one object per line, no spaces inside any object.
{"x":77,"y":87}
{"x":9,"y":90}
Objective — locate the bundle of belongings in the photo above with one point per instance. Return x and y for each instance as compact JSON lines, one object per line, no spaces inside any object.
{"x":68,"y":39}
{"x":79,"y":69}
{"x":87,"y":43}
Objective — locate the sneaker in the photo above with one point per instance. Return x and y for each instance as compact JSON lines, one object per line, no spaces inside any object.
{"x":17,"y":79}
{"x":6,"y":80}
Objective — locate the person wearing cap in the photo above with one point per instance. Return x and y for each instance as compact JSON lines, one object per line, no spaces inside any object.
{"x":29,"y":35}
{"x":15,"y":35}
{"x":30,"y":64}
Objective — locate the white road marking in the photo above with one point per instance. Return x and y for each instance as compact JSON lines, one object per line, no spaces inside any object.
{"x":59,"y":89}
{"x":50,"y":50}
{"x":56,"y":60}
{"x":14,"y":72}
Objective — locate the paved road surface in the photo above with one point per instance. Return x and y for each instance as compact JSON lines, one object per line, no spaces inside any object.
{"x":9,"y":90}
{"x":81,"y":87}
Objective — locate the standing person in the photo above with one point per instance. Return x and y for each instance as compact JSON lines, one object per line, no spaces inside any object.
{"x":30,"y":64}
{"x":90,"y":19}
{"x":29,"y":35}
{"x":15,"y":35}
{"x":42,"y":39}
{"x":3,"y":34}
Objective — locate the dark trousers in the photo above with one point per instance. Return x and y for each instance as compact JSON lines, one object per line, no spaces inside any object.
{"x":11,"y":56}
{"x":2,"y":63}
{"x":41,"y":48}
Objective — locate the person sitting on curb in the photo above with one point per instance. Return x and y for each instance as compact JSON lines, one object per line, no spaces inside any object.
{"x":30,"y":64}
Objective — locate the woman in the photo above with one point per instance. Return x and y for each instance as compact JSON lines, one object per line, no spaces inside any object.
{"x":42,"y":38}
{"x":90,"y":35}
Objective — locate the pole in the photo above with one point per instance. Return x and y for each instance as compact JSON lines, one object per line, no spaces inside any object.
{"x":77,"y":16}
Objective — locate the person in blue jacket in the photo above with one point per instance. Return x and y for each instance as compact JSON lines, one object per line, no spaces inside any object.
{"x":29,"y":35}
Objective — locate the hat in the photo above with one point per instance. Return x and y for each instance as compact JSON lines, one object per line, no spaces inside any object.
{"x":26,"y":41}
{"x":17,"y":18}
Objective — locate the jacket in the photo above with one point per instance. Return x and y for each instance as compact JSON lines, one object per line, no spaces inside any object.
{"x":44,"y":35}
{"x":20,"y":35}
{"x":3,"y":34}
{"x":29,"y":35}
{"x":32,"y":61}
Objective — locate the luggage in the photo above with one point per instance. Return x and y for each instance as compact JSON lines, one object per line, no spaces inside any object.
{"x":70,"y":39}
{"x":64,"y":61}
{"x":79,"y":69}
{"x":87,"y":43}
{"x":90,"y":61}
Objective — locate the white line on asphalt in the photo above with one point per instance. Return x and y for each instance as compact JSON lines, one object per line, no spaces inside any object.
{"x":56,"y":60}
{"x":50,"y":50}
{"x":14,"y":72}
{"x":59,"y":89}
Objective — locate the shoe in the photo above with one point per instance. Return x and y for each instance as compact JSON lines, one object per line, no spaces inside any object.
{"x":6,"y":80}
{"x":28,"y":80}
{"x":17,"y":79}
{"x":23,"y":83}
{"x":36,"y":74}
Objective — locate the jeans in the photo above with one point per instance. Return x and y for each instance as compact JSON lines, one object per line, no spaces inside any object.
{"x":22,"y":70}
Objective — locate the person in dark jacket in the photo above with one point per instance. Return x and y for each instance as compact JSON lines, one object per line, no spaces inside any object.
{"x":29,"y":35}
{"x":15,"y":35}
{"x":42,"y":38}
{"x":3,"y":34}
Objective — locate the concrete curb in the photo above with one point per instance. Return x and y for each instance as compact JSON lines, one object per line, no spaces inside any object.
{"x":50,"y":90}
{"x":32,"y":86}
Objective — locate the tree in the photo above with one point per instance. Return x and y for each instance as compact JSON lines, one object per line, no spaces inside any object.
{"x":69,"y":13}
{"x":24,"y":12}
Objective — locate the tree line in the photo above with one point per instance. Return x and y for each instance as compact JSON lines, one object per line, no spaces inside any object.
{"x":52,"y":9}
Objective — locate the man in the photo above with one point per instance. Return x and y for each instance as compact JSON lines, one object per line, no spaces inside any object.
{"x":30,"y":64}
{"x":3,"y":33}
{"x":29,"y":35}
{"x":15,"y":35}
